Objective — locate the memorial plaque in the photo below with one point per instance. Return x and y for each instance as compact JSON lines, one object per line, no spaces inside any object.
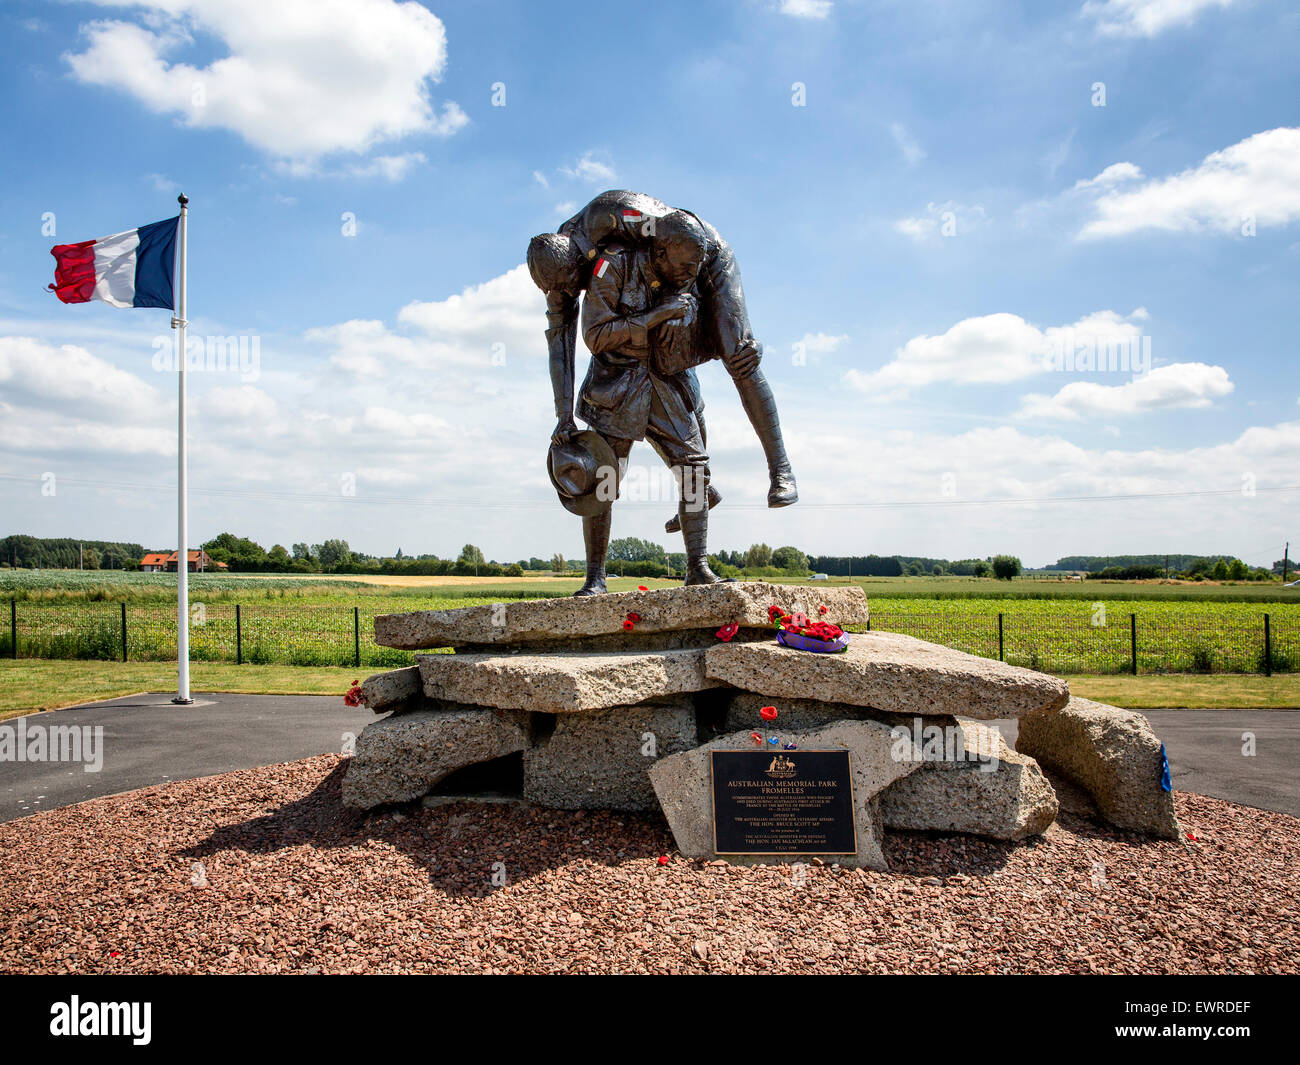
{"x":783,"y":802}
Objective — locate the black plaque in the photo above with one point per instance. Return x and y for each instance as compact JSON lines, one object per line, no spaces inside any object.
{"x":783,"y":802}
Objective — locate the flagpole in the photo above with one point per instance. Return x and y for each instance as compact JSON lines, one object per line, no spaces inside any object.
{"x":182,"y":516}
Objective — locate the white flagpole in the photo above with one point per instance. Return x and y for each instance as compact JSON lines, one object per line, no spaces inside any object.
{"x":182,"y":517}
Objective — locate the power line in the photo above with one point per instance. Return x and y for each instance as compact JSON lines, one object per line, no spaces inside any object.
{"x":461,"y":502}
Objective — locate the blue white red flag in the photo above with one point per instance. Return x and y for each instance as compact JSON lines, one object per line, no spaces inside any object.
{"x":131,"y":269}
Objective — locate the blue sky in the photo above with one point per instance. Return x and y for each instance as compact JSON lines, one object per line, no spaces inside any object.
{"x":927,"y":200}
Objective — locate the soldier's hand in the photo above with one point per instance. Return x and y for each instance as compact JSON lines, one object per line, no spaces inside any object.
{"x":674,"y":307}
{"x":745,"y":361}
{"x":565,"y":428}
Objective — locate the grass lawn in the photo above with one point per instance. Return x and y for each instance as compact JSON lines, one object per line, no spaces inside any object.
{"x":1152,"y":692}
{"x":28,"y":684}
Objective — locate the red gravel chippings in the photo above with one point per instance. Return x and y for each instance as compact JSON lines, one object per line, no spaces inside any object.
{"x":297,"y":883}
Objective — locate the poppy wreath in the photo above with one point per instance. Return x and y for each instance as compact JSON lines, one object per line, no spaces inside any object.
{"x":798,"y":630}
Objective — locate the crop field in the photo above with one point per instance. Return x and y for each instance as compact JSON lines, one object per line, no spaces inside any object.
{"x":314,"y":621}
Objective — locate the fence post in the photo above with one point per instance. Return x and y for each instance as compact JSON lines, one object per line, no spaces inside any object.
{"x":1133,"y":640}
{"x":239,"y":638}
{"x":1001,"y":656}
{"x":123,"y":630}
{"x":1268,"y":650}
{"x":13,"y":628}
{"x":356,"y":636}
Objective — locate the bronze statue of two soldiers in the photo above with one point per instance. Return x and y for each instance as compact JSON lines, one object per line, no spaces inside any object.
{"x":663,"y":295}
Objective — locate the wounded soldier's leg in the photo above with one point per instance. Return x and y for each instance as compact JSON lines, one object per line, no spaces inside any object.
{"x":760,"y":407}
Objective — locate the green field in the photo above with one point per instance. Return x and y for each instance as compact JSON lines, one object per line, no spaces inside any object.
{"x":1063,"y":627}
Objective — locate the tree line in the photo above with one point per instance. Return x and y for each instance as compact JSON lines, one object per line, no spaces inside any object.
{"x":629,"y":556}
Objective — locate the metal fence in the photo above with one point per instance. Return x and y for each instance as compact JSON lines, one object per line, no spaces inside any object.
{"x":334,"y":635}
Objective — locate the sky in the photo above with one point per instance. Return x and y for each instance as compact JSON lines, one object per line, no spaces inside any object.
{"x":941,"y":211}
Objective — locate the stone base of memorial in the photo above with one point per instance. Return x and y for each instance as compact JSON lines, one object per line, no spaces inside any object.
{"x":631,"y":701}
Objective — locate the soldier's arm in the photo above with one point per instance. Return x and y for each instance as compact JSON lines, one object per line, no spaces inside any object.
{"x":561,"y":340}
{"x":603,"y":327}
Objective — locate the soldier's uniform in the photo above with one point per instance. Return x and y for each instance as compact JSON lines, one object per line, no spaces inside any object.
{"x":626,"y":396}
{"x":623,"y":217}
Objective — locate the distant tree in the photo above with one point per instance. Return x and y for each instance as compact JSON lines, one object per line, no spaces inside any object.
{"x":631,"y":549}
{"x":1005,"y":567}
{"x":937,"y":569}
{"x":759,"y":556}
{"x":557,"y":563}
{"x":514,"y":570}
{"x":471,"y":555}
{"x":1220,"y":571}
{"x":278,"y":556}
{"x":399,"y":553}
{"x":89,"y":558}
{"x":915,"y":569}
{"x":333,"y":553}
{"x":980,"y":568}
{"x":1237,"y":570}
{"x":790,"y":558}
{"x":301,"y":553}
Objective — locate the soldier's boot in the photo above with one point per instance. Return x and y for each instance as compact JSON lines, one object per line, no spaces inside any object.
{"x":595,"y":536}
{"x":674,"y":524}
{"x":760,"y":406}
{"x":695,"y":531}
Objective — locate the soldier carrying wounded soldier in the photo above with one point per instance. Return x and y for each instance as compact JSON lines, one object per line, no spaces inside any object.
{"x":663,"y":295}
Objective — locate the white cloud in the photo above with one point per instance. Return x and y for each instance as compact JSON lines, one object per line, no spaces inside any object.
{"x":389,"y":167}
{"x":589,"y":168}
{"x":814,"y":9}
{"x":949,"y":219}
{"x":296,"y":81}
{"x":67,"y":376}
{"x":1111,"y":176}
{"x":501,"y":319}
{"x":1257,"y":179}
{"x":821,"y":342}
{"x":990,"y":349}
{"x":907,"y":144}
{"x":1145,"y":18}
{"x":1178,"y":386}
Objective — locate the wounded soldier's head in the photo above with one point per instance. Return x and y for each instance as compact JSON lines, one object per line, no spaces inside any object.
{"x":555,"y":263}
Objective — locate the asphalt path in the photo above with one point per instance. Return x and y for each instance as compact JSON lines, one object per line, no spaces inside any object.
{"x":146,"y":740}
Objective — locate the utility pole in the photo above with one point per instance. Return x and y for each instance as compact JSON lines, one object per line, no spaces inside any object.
{"x":1286,"y":553}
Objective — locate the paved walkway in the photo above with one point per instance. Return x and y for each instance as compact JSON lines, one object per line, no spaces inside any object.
{"x":147,"y":740}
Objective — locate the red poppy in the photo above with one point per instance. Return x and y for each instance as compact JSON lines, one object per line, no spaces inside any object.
{"x":774,"y":612}
{"x":768,"y":713}
{"x":634,"y":616}
{"x":627,"y":625}
{"x":642,"y":588}
{"x":1192,"y":838}
{"x":663,"y":859}
{"x":353,"y":696}
{"x":727,"y":631}
{"x":823,"y":609}
{"x":756,"y":737}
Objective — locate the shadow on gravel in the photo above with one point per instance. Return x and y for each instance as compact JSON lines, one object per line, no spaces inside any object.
{"x":462,"y":845}
{"x":459,"y":845}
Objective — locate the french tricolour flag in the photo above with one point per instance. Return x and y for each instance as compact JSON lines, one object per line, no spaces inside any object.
{"x":131,"y":269}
